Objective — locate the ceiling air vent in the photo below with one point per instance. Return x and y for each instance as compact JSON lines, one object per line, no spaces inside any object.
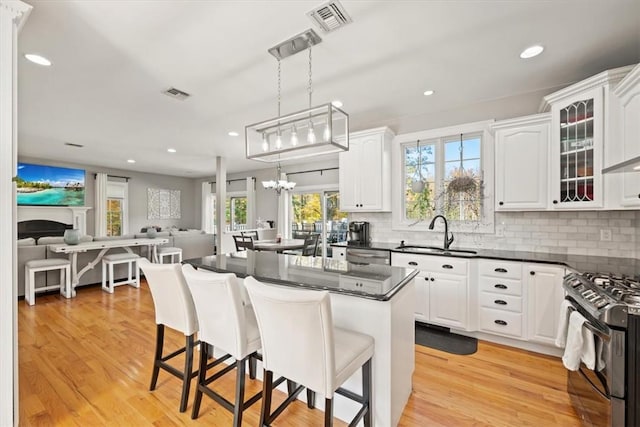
{"x":176,"y":93}
{"x":330,"y":16}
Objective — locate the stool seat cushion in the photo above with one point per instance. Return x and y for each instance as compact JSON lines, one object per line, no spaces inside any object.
{"x":120,"y":257}
{"x":53,"y":262}
{"x":352,"y":350}
{"x":169,"y":249}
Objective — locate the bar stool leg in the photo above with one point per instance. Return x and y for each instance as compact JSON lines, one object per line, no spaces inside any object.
{"x":238,"y":408}
{"x":188,"y":368}
{"x":104,"y":276}
{"x":267,"y":389}
{"x":158,"y":356}
{"x":366,"y":391}
{"x":328,"y":412}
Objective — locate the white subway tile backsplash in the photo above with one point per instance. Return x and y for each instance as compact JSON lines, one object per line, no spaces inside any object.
{"x":576,"y":233}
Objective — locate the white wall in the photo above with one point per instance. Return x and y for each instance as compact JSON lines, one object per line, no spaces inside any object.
{"x":138,"y":185}
{"x":576,"y":233}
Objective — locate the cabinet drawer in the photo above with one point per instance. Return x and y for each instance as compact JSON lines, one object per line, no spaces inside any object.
{"x":500,"y":285}
{"x":431,"y":263}
{"x":360,"y":284}
{"x":500,"y":322}
{"x":510,"y":270}
{"x":501,"y":302}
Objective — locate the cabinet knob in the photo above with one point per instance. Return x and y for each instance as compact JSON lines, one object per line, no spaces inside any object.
{"x":432,"y":279}
{"x":555,"y":202}
{"x":638,"y":196}
{"x":500,"y":286}
{"x":500,"y":302}
{"x":500,"y":322}
{"x":533,"y":273}
{"x":501,"y":203}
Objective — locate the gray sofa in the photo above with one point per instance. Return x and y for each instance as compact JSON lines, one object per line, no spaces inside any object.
{"x":193,"y":244}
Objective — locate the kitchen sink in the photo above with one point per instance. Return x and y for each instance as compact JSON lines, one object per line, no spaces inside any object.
{"x":436,"y":250}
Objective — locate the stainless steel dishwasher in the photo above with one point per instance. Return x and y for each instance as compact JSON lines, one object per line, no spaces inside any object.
{"x":368,"y":256}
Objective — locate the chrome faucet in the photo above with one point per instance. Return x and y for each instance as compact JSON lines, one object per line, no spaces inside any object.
{"x":447,"y":240}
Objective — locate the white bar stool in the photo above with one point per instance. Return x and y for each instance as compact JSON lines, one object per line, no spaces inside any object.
{"x":108,"y":261}
{"x":34,"y":266}
{"x":169,"y":251}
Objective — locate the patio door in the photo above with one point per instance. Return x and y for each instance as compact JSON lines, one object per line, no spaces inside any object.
{"x":318,"y":211}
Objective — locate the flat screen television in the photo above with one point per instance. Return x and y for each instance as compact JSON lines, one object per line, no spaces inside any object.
{"x":40,"y":185}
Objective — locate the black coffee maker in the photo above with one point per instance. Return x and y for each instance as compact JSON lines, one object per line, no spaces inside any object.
{"x":358,"y":233}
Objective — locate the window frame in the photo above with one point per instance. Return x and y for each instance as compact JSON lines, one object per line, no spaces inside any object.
{"x":440,"y":136}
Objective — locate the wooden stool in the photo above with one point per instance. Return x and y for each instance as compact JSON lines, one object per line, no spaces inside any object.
{"x":36,"y":265}
{"x":169,"y":251}
{"x":108,"y":261}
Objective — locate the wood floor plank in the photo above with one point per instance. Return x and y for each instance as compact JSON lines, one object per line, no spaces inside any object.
{"x":87,"y":361}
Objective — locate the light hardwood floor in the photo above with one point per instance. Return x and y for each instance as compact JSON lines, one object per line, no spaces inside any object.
{"x":87,"y":362}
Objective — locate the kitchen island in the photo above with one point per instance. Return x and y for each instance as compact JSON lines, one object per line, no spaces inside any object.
{"x":377,"y":300}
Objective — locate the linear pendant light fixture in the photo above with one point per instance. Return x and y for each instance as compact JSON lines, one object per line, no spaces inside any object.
{"x":317,"y":130}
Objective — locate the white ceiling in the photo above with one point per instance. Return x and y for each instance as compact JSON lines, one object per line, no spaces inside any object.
{"x":112,"y":60}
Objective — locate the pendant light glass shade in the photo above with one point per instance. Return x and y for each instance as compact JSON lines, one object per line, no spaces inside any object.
{"x":328,"y":121}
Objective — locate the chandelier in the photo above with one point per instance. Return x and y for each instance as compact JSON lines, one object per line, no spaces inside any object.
{"x":280,"y":183}
{"x":318,"y":130}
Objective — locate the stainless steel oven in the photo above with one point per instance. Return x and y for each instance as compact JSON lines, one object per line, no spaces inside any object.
{"x":608,"y":395}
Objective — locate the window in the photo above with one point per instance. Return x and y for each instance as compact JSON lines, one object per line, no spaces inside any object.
{"x":236,"y":213}
{"x":117,"y":208}
{"x":443,"y":172}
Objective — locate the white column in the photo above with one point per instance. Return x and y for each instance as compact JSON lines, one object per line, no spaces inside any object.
{"x":13,"y":14}
{"x":251,"y":203}
{"x":221,"y":196}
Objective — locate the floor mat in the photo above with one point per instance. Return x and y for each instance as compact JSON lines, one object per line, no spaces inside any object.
{"x":442,"y":339}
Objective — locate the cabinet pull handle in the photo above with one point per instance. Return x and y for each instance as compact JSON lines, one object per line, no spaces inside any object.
{"x":500,"y":270}
{"x":413,"y":263}
{"x":500,"y":286}
{"x":500,"y":322}
{"x":501,"y":203}
{"x":500,"y":302}
{"x":447,"y":266}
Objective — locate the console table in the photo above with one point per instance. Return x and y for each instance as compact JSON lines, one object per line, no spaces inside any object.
{"x":103,"y":246}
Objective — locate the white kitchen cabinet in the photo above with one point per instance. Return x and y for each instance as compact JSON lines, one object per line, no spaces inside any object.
{"x":522,"y":157}
{"x":442,"y":288}
{"x":501,"y":298}
{"x":583,"y":120}
{"x":365,"y":172}
{"x":422,"y":297}
{"x":544,"y":295}
{"x":627,"y":145}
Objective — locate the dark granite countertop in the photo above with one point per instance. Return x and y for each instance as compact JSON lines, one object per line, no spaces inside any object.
{"x":579,"y":263}
{"x":373,"y":281}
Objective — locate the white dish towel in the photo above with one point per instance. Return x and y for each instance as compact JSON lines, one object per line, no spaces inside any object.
{"x":580,"y":345}
{"x":563,"y":324}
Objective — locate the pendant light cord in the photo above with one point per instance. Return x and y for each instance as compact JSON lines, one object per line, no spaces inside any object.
{"x":279,"y":86}
{"x":310,"y":75}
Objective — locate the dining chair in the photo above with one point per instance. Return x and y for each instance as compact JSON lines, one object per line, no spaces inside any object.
{"x":310,"y":245}
{"x":309,"y":351}
{"x":174,"y":308}
{"x":299,"y":234}
{"x":253,"y":234}
{"x":243,"y":242}
{"x":229,"y":324}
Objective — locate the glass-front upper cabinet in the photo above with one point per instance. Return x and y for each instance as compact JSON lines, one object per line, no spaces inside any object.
{"x":576,"y":151}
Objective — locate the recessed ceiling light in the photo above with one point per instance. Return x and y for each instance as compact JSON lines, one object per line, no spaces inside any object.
{"x":233,"y":133}
{"x":171,"y":150}
{"x":531,"y":51}
{"x":131,"y":161}
{"x":636,"y":168}
{"x":337,"y":103}
{"x":428,"y":92}
{"x":37,"y":59}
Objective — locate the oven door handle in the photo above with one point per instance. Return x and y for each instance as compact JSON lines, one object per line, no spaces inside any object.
{"x":604,"y":395}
